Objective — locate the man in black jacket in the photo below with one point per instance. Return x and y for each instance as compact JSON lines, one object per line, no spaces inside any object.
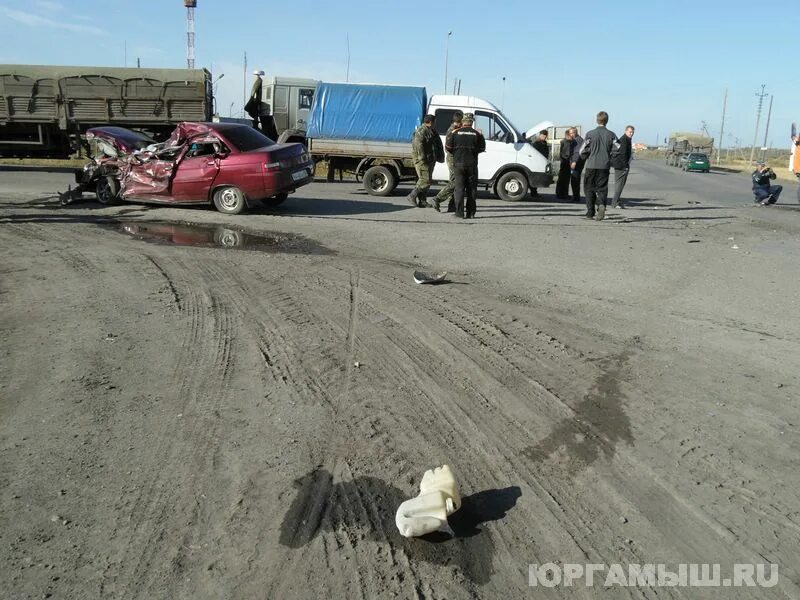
{"x":621,"y":161}
{"x":765,"y":194}
{"x":576,"y":162}
{"x":543,"y":148}
{"x":565,"y":170}
{"x":596,"y":150}
{"x":466,"y":143}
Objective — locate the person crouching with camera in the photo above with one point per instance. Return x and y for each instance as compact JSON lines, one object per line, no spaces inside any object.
{"x":765,"y":194}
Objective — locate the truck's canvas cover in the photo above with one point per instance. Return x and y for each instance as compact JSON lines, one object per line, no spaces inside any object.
{"x":350,"y":111}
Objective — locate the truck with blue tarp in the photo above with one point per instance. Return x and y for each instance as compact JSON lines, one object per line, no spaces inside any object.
{"x":367,"y":129}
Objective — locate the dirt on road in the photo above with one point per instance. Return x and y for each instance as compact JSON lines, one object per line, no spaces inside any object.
{"x":184,"y":420}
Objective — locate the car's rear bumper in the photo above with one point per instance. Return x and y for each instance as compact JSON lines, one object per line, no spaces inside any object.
{"x":288,"y":180}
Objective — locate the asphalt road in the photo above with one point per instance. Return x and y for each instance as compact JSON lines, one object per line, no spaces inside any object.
{"x":193,"y":421}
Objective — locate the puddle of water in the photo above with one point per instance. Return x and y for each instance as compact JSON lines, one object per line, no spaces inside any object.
{"x":218,"y":236}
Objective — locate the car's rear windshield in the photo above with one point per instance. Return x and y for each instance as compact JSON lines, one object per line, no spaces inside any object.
{"x":246,"y":138}
{"x":698,"y":156}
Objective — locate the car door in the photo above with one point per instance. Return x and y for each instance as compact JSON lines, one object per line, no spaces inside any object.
{"x":196,"y":170}
{"x":501,"y":146}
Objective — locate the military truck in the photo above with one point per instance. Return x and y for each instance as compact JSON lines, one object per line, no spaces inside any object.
{"x":44,"y":110}
{"x":684,"y":143}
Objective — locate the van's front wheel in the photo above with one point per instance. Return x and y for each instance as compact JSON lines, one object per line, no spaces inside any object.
{"x":512,"y":186}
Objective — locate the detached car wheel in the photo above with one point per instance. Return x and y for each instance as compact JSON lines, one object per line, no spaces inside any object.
{"x":107,"y":190}
{"x":379,"y":181}
{"x":229,"y":200}
{"x":512,"y":186}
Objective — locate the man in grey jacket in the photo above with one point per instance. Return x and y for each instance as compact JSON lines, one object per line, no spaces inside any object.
{"x":596,"y":150}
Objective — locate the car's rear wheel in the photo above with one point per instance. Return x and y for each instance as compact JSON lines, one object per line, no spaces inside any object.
{"x":379,"y":181}
{"x":107,"y":190}
{"x":229,"y":200}
{"x":512,"y":186}
{"x":275,"y":200}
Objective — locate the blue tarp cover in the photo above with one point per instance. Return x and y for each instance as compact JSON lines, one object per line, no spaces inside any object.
{"x":348,"y":111}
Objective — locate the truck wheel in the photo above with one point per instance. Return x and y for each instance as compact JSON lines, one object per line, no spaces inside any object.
{"x":275,"y":200}
{"x":379,"y":181}
{"x":107,"y":190}
{"x":229,"y":200}
{"x":512,"y":186}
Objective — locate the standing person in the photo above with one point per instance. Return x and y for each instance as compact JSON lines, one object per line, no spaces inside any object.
{"x":576,"y":162}
{"x":765,"y":193}
{"x":259,"y":110}
{"x":466,"y":143}
{"x":543,"y":148}
{"x":621,"y":161}
{"x":564,"y":171}
{"x":446,"y":193}
{"x":426,"y":151}
{"x":597,"y":151}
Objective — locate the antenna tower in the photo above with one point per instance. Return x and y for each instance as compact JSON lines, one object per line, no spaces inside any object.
{"x":190,"y":6}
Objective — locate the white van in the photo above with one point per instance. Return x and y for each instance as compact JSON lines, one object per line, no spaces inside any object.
{"x":509,"y":167}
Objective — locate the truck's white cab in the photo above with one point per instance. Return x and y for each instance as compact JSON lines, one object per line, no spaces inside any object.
{"x":510,"y":164}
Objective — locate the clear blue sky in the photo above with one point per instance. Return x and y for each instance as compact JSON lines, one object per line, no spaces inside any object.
{"x":662,"y":65}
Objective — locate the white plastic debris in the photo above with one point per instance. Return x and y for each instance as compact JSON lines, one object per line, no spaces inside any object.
{"x":438,"y":498}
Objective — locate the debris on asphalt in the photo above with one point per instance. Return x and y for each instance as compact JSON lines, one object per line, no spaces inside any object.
{"x":734,"y":247}
{"x":422,"y":277}
{"x":356,"y":364}
{"x":438,"y":498}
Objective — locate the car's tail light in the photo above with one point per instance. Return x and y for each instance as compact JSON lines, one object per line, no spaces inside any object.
{"x":272,"y":166}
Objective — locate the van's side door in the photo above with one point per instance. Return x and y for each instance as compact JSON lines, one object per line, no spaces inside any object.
{"x":501,"y":147}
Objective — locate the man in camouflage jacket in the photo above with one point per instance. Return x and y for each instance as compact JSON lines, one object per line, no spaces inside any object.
{"x":426,"y":151}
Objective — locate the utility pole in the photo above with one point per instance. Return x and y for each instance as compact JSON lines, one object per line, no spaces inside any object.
{"x":446,"y":58}
{"x":503,"y":101}
{"x":126,"y":53}
{"x":766,"y":132}
{"x":761,"y":97}
{"x":347,"y":76}
{"x":244,"y":84}
{"x":722,"y":125}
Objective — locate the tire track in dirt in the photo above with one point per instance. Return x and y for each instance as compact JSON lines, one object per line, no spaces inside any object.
{"x":625,"y":461}
{"x":204,"y":371}
{"x":254,"y":307}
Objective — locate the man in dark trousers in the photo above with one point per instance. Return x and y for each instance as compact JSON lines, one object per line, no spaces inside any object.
{"x":565,"y":169}
{"x":426,"y":151}
{"x":596,"y":150}
{"x":765,"y":194}
{"x":621,"y":161}
{"x":576,"y":162}
{"x":466,"y":143}
{"x":447,"y":192}
{"x":543,"y":148}
{"x":259,"y":110}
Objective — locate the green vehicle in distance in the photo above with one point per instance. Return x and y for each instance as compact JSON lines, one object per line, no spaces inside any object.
{"x":695,"y":161}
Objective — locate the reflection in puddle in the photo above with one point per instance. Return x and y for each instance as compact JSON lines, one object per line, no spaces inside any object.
{"x":213,"y":236}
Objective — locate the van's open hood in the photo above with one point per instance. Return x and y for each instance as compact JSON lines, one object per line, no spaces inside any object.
{"x":531,"y":133}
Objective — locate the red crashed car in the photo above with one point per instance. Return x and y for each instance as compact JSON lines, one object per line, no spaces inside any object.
{"x":227,"y":164}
